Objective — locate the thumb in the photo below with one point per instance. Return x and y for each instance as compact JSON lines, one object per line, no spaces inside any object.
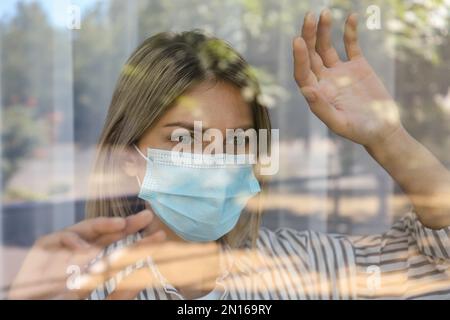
{"x":326,"y":112}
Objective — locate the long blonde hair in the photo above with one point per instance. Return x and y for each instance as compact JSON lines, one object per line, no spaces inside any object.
{"x":159,"y":71}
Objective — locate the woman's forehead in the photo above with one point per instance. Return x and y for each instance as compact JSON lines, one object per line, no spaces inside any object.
{"x":218,"y":105}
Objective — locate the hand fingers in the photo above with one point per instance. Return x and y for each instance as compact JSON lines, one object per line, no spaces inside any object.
{"x":351,"y":37}
{"x":124,"y":294}
{"x":323,"y":45}
{"x":130,"y":286}
{"x":65,"y":238}
{"x":309,"y":35}
{"x":72,"y":241}
{"x":134,"y":224}
{"x":302,"y":69}
{"x":139,"y":221}
{"x":78,"y":235}
{"x":104,"y":231}
{"x":126,"y":256}
{"x":108,"y":266}
{"x":321,"y":108}
{"x":92,"y":228}
{"x":81,"y":258}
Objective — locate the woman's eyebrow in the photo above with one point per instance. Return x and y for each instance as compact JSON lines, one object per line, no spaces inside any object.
{"x":186,"y":125}
{"x":190,"y":126}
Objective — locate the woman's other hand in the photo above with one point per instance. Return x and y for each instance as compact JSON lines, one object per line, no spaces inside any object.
{"x":56,"y":266}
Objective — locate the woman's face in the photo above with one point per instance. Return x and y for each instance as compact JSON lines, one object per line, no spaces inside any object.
{"x":218,"y":105}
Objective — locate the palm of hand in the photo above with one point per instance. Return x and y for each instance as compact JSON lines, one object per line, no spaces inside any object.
{"x":347,"y":96}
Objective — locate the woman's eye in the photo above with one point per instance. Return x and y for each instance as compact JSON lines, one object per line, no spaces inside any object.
{"x":185,"y":139}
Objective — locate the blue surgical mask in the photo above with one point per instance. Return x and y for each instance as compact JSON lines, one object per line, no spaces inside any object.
{"x":199,"y":197}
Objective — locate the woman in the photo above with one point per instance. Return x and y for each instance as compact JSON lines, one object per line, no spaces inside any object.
{"x":173,"y":80}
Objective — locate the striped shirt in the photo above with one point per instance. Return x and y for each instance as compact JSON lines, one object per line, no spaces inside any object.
{"x":409,"y":261}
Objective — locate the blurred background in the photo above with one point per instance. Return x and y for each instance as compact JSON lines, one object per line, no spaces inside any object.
{"x":60,"y":59}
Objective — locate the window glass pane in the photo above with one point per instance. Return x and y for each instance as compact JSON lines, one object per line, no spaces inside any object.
{"x":60,"y":62}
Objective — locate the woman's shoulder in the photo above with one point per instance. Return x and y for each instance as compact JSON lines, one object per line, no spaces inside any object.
{"x":302,"y":238}
{"x":406,"y":233}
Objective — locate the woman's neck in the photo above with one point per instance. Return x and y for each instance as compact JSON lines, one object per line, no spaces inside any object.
{"x":192,"y":268}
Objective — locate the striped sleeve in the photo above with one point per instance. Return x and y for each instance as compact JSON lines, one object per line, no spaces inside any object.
{"x":104,"y":289}
{"x":316,"y":265}
{"x":432,"y":243}
{"x":410,"y":261}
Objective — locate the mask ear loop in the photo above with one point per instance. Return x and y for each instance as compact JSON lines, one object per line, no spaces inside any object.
{"x":140,"y":152}
{"x":138,"y":181}
{"x":142,"y":155}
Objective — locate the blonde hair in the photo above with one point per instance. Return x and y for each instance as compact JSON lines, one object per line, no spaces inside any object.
{"x":159,"y":71}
